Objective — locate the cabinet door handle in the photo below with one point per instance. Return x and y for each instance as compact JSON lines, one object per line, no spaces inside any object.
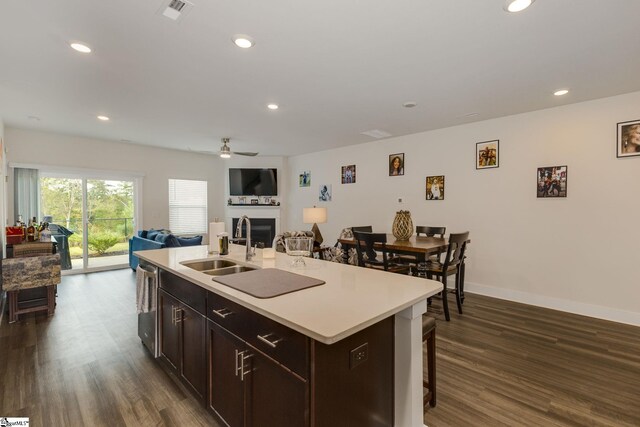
{"x":173,"y":315}
{"x":238,"y":356}
{"x":179,"y":312}
{"x":244,"y":358}
{"x":223,"y":312}
{"x":273,"y":343}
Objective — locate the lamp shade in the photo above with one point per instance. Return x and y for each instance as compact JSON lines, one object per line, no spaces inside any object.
{"x":314,"y":215}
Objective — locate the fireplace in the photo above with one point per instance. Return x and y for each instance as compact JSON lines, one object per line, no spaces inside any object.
{"x":263,"y":230}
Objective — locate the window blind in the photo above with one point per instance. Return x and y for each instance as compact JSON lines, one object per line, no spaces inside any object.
{"x":187,"y":206}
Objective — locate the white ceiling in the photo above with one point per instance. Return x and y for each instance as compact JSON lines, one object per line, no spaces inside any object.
{"x":336,"y":67}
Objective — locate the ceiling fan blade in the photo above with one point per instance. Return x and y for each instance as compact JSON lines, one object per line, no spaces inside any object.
{"x":244,"y":153}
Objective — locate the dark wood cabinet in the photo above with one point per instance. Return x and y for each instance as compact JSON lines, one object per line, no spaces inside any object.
{"x":276,"y":394}
{"x":169,"y":333}
{"x":182,"y":341}
{"x":193,"y":349}
{"x":246,"y":387}
{"x":226,"y":389}
{"x":252,"y":371}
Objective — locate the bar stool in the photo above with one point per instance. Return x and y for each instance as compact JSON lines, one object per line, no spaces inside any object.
{"x":429,"y":338}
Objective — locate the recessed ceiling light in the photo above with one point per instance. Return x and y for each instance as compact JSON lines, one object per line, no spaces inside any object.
{"x":82,"y":48}
{"x":103,"y":118}
{"x":243,"y":41}
{"x":272,"y":106}
{"x":409,"y":104}
{"x":517,"y":5}
{"x":561,"y":92}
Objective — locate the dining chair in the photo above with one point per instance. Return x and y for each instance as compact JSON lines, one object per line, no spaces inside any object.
{"x":431,"y":231}
{"x":368,"y":256}
{"x":429,"y":341}
{"x":363,"y":228}
{"x":411,"y":260}
{"x":452,"y":265}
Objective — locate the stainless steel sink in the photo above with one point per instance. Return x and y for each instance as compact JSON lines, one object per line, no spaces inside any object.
{"x":229,"y":270}
{"x":209,"y":264}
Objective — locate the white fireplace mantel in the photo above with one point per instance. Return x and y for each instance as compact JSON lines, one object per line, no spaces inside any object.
{"x":252,"y":211}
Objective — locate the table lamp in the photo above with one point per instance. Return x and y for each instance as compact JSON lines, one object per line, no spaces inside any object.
{"x":315,"y":216}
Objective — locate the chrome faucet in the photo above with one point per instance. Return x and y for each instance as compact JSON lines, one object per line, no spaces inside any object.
{"x":250,"y":253}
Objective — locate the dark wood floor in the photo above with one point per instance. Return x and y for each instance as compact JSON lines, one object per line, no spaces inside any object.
{"x":500,"y":363}
{"x":85,"y":366}
{"x":508,"y":364}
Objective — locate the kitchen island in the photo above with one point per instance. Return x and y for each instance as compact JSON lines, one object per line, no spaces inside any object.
{"x":353,"y":344}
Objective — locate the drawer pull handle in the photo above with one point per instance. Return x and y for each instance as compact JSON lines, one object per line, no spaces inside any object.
{"x":270,"y":342}
{"x":238,"y":354}
{"x":223,"y":312}
{"x":243,"y":358}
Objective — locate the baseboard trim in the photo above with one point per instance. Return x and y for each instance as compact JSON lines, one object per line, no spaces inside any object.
{"x":590,"y":310}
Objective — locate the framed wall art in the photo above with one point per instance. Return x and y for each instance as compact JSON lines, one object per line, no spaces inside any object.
{"x":435,"y":187}
{"x":552,"y":181}
{"x":348,"y":174}
{"x":628,"y":144}
{"x":324,"y":194}
{"x":305,"y":179}
{"x":487,"y":154}
{"x":396,"y":164}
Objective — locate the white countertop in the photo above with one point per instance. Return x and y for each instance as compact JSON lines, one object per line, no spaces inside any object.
{"x":352,"y":298}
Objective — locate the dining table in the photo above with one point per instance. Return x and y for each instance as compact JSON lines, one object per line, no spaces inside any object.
{"x":418,"y":246}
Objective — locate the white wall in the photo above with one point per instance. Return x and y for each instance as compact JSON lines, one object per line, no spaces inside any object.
{"x":579,"y":254}
{"x":157,"y":165}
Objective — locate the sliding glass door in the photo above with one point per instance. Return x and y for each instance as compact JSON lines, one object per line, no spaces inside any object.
{"x":96,"y":215}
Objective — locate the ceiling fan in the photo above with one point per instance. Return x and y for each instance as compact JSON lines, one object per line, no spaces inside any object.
{"x":225,"y":151}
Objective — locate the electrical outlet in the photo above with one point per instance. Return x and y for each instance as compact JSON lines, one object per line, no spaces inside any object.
{"x":358,"y":355}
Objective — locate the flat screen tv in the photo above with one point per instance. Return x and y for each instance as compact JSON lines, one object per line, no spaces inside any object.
{"x":253,"y":182}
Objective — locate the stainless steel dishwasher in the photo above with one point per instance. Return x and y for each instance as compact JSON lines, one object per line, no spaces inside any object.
{"x":148,"y":321}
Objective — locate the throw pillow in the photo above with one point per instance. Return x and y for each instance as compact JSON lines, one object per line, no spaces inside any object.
{"x":190,"y":241}
{"x":169,"y":240}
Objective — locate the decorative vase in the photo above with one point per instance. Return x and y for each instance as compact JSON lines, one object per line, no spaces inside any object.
{"x":402,"y":225}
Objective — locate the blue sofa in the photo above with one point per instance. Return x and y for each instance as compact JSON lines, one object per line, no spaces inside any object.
{"x":157,"y":239}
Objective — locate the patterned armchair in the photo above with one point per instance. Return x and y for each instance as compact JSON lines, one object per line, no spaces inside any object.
{"x":278,"y":241}
{"x":336,"y":253}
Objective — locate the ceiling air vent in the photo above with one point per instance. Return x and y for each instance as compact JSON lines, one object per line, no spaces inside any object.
{"x":376,"y":133}
{"x":175,"y":9}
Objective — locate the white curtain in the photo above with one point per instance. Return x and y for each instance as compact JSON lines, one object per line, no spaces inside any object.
{"x":26,"y":193}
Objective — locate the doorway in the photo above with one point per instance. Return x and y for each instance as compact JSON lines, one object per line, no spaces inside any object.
{"x":92,"y":218}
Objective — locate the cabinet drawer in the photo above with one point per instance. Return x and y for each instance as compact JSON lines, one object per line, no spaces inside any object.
{"x":231,"y":316}
{"x":283,"y":344}
{"x":286,"y":346}
{"x":191,"y":294}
